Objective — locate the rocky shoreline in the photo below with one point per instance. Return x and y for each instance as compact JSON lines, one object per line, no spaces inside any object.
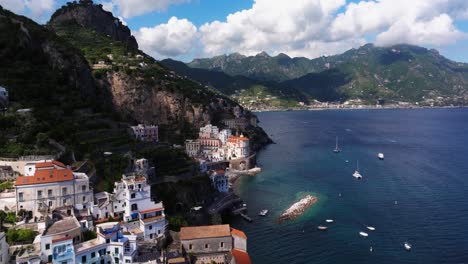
{"x":298,"y":208}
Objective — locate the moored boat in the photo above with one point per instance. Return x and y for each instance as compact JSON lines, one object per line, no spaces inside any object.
{"x":407,"y":246}
{"x":371,"y":228}
{"x":356,"y":173}
{"x":364,"y":234}
{"x":323,"y":228}
{"x":329,"y":221}
{"x":263,"y":212}
{"x":381,"y":156}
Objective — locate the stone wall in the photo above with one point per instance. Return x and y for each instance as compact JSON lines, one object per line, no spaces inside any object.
{"x":243,"y":163}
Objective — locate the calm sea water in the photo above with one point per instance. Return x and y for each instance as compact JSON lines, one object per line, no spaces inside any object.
{"x":425,"y":170}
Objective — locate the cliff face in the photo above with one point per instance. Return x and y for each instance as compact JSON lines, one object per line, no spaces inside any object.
{"x":91,"y":16}
{"x":154,"y":103}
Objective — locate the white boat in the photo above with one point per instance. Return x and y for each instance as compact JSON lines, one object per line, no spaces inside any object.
{"x":337,"y":148}
{"x":329,"y":220}
{"x":364,"y":234}
{"x":356,"y":173}
{"x":407,"y":246}
{"x":371,"y":249}
{"x":263,"y":212}
{"x":381,"y":156}
{"x":371,"y":228}
{"x":323,"y":228}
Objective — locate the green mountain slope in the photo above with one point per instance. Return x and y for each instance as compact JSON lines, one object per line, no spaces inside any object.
{"x":239,"y":87}
{"x":260,"y":67}
{"x":396,"y":73}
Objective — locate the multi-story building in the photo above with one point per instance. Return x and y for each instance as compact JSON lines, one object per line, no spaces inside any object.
{"x":147,"y":133}
{"x":215,"y":243}
{"x":131,"y":201}
{"x":110,"y":246}
{"x":192,"y":147}
{"x":4,"y":255}
{"x":67,"y":228}
{"x":220,"y":180}
{"x":237,"y":147}
{"x":52,"y":186}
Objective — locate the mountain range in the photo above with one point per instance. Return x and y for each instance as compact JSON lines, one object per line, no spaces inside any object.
{"x":370,"y":73}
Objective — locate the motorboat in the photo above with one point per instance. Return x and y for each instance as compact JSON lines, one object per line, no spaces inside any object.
{"x":381,"y":156}
{"x":364,"y":234}
{"x":323,"y":228}
{"x":263,"y":212}
{"x":371,"y":228}
{"x":407,"y":246}
{"x":356,"y":173}
{"x":329,"y":221}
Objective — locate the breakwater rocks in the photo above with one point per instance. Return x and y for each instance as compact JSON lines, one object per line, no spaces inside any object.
{"x":298,"y":208}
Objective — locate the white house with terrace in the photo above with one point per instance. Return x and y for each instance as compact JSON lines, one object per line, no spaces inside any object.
{"x":111,"y":246}
{"x":131,"y":201}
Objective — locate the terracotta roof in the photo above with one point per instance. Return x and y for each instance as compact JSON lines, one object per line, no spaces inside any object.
{"x":197,"y":232}
{"x":238,"y":233}
{"x":151,"y":210}
{"x":241,"y":256}
{"x":219,"y":171}
{"x":46,"y":176}
{"x":49,"y":164}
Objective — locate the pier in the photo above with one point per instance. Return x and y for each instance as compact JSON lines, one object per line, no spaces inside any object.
{"x":246,"y":217}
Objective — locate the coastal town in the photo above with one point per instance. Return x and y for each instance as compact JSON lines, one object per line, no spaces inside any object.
{"x":56,"y":216}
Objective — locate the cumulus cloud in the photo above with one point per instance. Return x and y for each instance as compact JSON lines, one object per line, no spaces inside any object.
{"x":129,"y":8}
{"x":37,"y":10}
{"x":167,"y":40}
{"x":271,"y":25}
{"x":438,"y":31}
{"x":16,"y":6}
{"x":421,"y":22}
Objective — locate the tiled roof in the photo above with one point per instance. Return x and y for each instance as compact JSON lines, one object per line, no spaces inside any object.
{"x":197,"y":232}
{"x":238,"y":233}
{"x":219,"y":171}
{"x":147,"y":220}
{"x":49,"y":164}
{"x":241,"y":256}
{"x":61,"y":239}
{"x":46,"y":176}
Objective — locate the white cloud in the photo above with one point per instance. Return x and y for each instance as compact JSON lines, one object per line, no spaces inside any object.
{"x":16,"y":6}
{"x":39,"y":9}
{"x":167,"y":40}
{"x":271,"y":26}
{"x":129,"y":8}
{"x":438,"y":31}
{"x":421,"y":22}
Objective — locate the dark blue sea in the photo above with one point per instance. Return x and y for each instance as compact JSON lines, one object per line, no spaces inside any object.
{"x":425,"y":170}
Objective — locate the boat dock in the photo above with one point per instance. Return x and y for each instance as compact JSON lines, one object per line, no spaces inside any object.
{"x":246,"y":217}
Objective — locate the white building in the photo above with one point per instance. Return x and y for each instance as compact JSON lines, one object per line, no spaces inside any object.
{"x":52,"y":186}
{"x":237,"y":147}
{"x":110,"y":246}
{"x":131,"y":201}
{"x":224,"y":135}
{"x":67,"y":228}
{"x":145,"y":133}
{"x":220,"y":181}
{"x":4,"y":255}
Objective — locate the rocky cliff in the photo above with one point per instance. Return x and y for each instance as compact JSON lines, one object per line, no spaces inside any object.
{"x":91,"y":16}
{"x":153,"y":102}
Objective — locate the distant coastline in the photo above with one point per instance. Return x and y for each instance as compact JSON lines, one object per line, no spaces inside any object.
{"x":360,"y":107}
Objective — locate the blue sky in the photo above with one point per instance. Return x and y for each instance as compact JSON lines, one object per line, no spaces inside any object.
{"x":184,"y":29}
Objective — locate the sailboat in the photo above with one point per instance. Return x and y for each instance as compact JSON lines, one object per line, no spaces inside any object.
{"x":337,"y":148}
{"x":356,"y":173}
